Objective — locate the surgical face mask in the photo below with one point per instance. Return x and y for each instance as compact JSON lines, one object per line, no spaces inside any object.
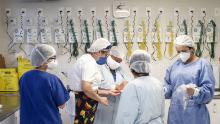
{"x":102,"y":60}
{"x":52,"y":65}
{"x":112,"y":64}
{"x":184,"y":56}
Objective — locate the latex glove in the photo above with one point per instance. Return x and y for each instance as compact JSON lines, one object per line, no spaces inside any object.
{"x":121,"y":85}
{"x":192,"y":90}
{"x":103,"y":92}
{"x":114,"y":92}
{"x":104,"y":101}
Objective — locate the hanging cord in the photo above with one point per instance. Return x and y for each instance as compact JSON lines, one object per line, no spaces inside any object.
{"x":22,"y":28}
{"x":61,"y":21}
{"x":87,"y":45}
{"x":114,"y":33}
{"x":74,"y":51}
{"x":81,"y":29}
{"x":67,"y":32}
{"x":63,"y":30}
{"x":177,"y":22}
{"x":134,"y":26}
{"x":107,"y":25}
{"x":11,"y":44}
{"x":100,"y":28}
{"x":185,"y":27}
{"x":198,"y":51}
{"x":153,"y":42}
{"x":205,"y":45}
{"x":170,"y":43}
{"x":129,"y":47}
{"x":38,"y":26}
{"x":130,"y":38}
{"x":61,"y":24}
{"x":158,"y":43}
{"x":93,"y":27}
{"x":144,"y":42}
{"x":148,"y":26}
{"x":156,"y":36}
{"x":212,"y":54}
{"x":166,"y":42}
{"x":165,"y":50}
{"x":192,"y":21}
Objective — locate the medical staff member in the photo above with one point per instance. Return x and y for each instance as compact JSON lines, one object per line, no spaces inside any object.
{"x":85,"y":77}
{"x":189,"y":84}
{"x":142,"y":101}
{"x":114,"y":79}
{"x":41,"y":93}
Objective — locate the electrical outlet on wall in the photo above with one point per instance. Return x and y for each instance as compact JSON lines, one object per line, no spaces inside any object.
{"x":8,"y":12}
{"x":134,"y":10}
{"x":107,"y":11}
{"x":68,"y":11}
{"x":203,"y":11}
{"x":93,"y":11}
{"x":191,"y":11}
{"x":80,"y":11}
{"x":61,"y":11}
{"x":39,"y":11}
{"x":176,"y":11}
{"x":160,"y":13}
{"x":23,"y":12}
{"x":161,"y":10}
{"x":148,"y":11}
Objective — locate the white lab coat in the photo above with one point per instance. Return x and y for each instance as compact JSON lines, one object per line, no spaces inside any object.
{"x":107,"y":77}
{"x":107,"y":114}
{"x":70,"y":107}
{"x":142,"y":102}
{"x":86,"y":69}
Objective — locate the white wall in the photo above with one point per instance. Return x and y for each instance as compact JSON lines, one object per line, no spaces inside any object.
{"x":1,"y":26}
{"x":50,"y":10}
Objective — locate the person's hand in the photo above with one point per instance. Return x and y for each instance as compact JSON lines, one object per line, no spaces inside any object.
{"x":103,"y":92}
{"x":121,"y":86}
{"x":104,"y":101}
{"x":190,"y":90}
{"x":114,"y":92}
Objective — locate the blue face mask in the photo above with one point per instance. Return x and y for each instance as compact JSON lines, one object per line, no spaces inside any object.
{"x":102,"y":60}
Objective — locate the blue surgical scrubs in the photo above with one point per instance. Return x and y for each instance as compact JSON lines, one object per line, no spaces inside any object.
{"x":40,"y":95}
{"x":195,"y":111}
